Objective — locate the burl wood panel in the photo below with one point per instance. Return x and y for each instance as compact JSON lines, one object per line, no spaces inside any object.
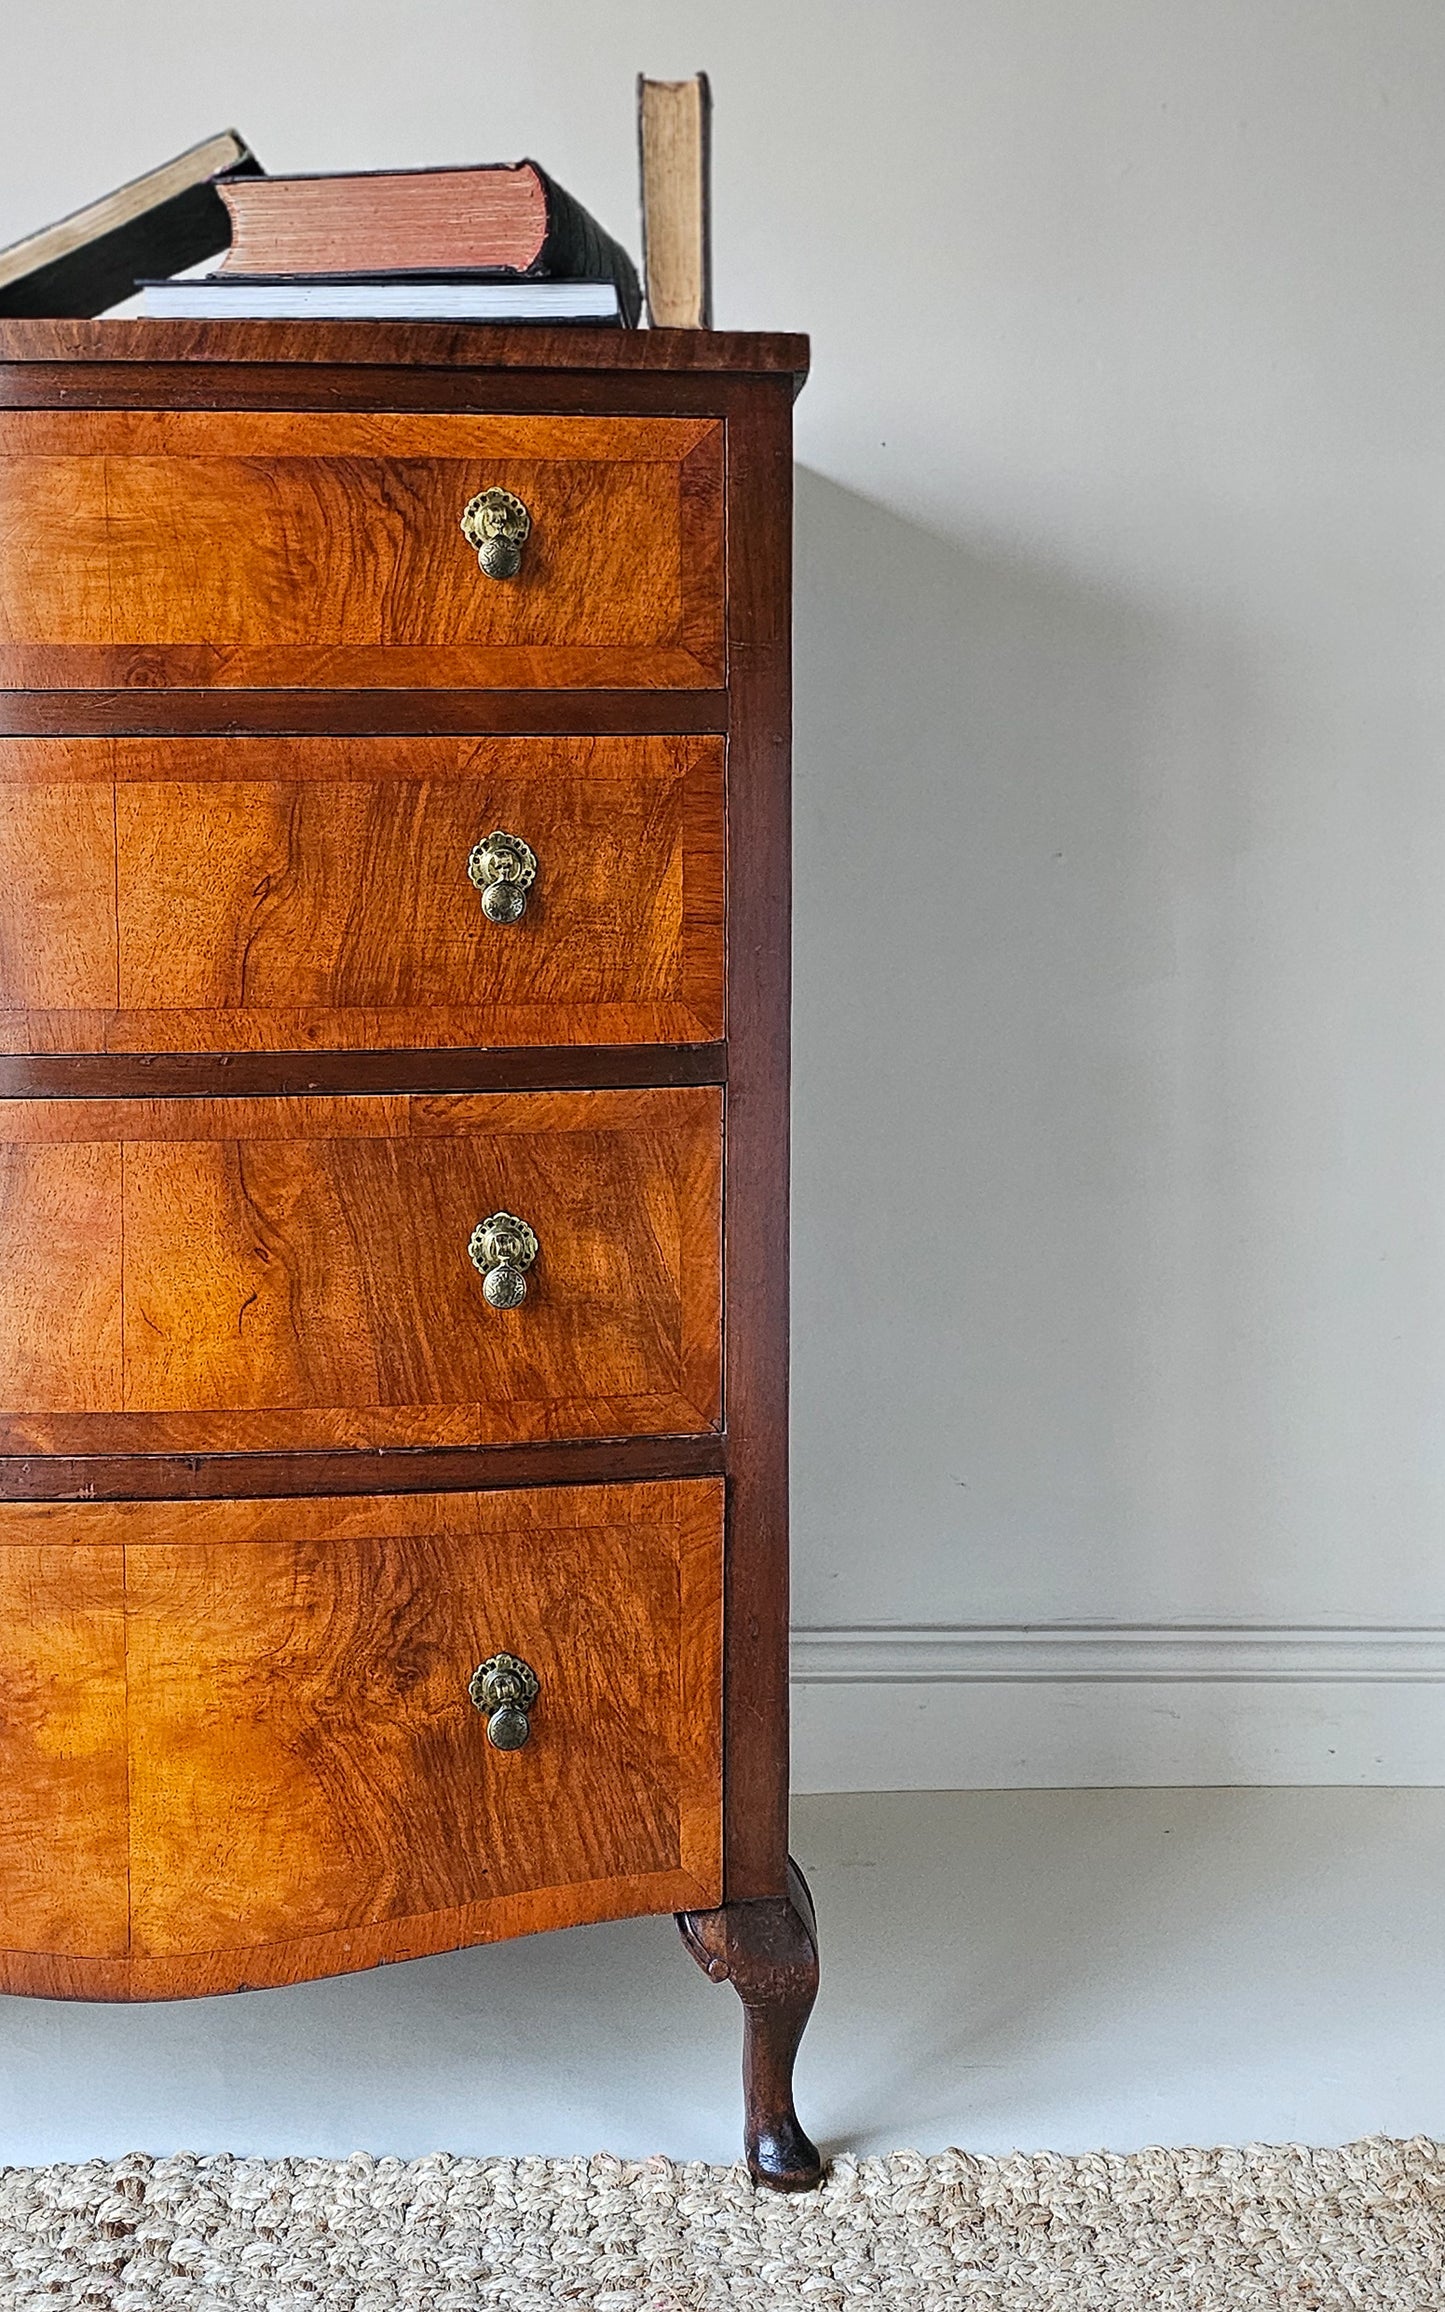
{"x":301,"y":894}
{"x":286,"y":548}
{"x":63,"y":1886}
{"x":290,"y":1274}
{"x":310,"y":1789}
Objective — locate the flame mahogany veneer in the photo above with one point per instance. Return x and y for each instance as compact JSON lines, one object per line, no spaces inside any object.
{"x":274,"y":1476}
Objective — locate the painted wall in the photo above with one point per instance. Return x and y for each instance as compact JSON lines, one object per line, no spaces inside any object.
{"x":1120,"y":1275}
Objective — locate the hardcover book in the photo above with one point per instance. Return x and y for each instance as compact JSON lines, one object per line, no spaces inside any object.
{"x":507,"y":218}
{"x":224,"y":296}
{"x":171,"y":217}
{"x":674,"y":136}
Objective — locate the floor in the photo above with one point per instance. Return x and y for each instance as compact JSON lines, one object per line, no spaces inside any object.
{"x":1039,"y":1968}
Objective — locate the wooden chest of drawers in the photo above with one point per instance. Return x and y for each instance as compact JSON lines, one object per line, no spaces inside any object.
{"x":393,"y":1138}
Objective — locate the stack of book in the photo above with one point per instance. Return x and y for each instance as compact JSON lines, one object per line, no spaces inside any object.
{"x":498,"y":242}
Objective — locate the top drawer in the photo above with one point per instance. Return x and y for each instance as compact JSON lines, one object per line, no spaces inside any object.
{"x":278,"y":549}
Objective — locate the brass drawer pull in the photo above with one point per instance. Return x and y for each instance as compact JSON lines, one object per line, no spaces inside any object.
{"x":504,"y":1689}
{"x":498,"y":525}
{"x":502,"y":1249}
{"x":503,"y":868}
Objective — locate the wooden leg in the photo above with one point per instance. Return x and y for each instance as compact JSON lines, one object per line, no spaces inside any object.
{"x":768,"y":1951}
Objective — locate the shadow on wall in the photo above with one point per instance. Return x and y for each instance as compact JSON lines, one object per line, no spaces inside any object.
{"x":1012,"y":1283}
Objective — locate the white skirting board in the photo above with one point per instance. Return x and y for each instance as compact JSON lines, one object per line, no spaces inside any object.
{"x":1102,"y":1705}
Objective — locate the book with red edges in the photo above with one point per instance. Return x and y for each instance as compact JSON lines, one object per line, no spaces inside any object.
{"x":507,"y":218}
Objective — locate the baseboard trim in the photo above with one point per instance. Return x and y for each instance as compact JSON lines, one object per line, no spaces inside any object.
{"x":1114,"y":1704}
{"x":1158,"y":1653}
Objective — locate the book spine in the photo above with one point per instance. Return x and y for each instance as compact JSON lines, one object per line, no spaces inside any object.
{"x":577,"y":249}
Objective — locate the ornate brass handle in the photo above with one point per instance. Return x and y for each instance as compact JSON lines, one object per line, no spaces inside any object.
{"x":502,"y":1249}
{"x":503,"y":869}
{"x":498,"y":525}
{"x":504,"y":1690}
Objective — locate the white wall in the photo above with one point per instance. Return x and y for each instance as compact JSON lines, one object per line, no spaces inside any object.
{"x":1120,"y":1278}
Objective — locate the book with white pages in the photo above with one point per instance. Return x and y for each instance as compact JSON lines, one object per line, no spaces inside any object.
{"x":358,"y":297}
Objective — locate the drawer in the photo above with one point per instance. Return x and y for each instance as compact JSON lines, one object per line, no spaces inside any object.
{"x":294,"y":894}
{"x":271,"y":1274}
{"x":277,"y":548}
{"x":237,"y":1744}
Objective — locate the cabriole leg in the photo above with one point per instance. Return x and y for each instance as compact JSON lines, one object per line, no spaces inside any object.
{"x":768,"y":1951}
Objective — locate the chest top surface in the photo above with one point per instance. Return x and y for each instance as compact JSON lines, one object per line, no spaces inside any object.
{"x":617,"y":353}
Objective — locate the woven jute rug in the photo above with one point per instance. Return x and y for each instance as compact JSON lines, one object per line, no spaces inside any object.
{"x":1174,"y":2231}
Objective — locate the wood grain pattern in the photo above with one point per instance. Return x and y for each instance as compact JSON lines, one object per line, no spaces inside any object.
{"x":275,"y":547}
{"x":219,"y":1075}
{"x":416,"y":1469}
{"x":230,"y":348}
{"x":60,"y":1272}
{"x":450,"y":375}
{"x":62,"y":1747}
{"x":768,"y":1950}
{"x":309,"y":1787}
{"x":300,"y":894}
{"x":308,"y":385}
{"x":303,"y":1755}
{"x":258,"y":1275}
{"x":327,"y":713}
{"x":759,"y":530}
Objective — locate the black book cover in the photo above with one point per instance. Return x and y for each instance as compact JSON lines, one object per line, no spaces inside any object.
{"x":577,"y":249}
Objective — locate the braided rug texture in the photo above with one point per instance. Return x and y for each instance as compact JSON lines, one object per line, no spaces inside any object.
{"x":1173,"y":2231}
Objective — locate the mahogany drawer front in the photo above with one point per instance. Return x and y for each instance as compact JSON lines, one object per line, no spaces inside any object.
{"x":236,"y":1743}
{"x":286,"y":1274}
{"x":295,"y":894}
{"x":276,"y":549}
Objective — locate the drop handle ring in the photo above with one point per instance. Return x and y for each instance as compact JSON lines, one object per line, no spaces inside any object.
{"x":502,"y":1249}
{"x":503,"y":868}
{"x":505,"y":1688}
{"x":498,"y":526}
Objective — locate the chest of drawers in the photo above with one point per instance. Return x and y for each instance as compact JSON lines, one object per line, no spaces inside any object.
{"x":393,"y":1156}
